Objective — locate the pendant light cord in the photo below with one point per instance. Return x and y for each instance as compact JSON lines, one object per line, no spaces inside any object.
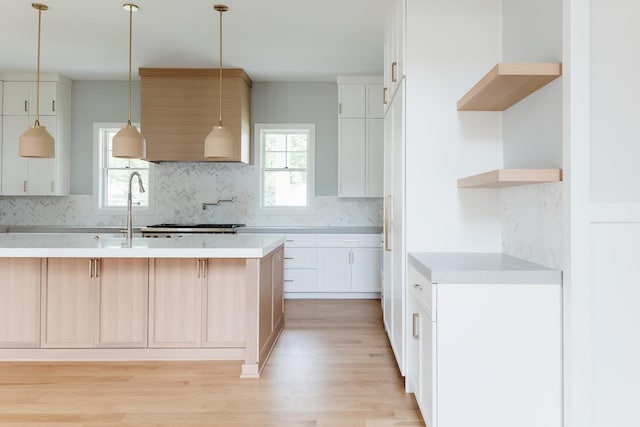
{"x":130,"y":48}
{"x":37,"y":122}
{"x":220,"y":100}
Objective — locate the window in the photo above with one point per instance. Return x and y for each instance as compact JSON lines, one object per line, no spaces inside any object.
{"x":111,"y":182}
{"x":286,"y":166}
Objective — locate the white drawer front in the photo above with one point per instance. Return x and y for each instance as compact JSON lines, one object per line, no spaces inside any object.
{"x":422,"y":290}
{"x":349,"y":241}
{"x":300,"y":241}
{"x":300,"y":281}
{"x":299,"y":257}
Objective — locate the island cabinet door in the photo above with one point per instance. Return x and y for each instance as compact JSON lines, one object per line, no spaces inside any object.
{"x":123,"y":302}
{"x":224,"y":303}
{"x":68,"y":303}
{"x":175,"y":302}
{"x":20,"y":302}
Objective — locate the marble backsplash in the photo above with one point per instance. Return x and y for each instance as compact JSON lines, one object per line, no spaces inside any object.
{"x":532,"y":218}
{"x":179,"y":191}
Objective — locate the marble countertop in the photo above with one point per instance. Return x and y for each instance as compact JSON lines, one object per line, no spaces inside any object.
{"x":89,"y":245}
{"x":467,"y":267}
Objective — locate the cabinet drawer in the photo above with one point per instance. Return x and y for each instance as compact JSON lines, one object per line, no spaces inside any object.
{"x":422,"y":290}
{"x":299,"y":257}
{"x":349,"y":241}
{"x":300,"y":241}
{"x":300,"y":281}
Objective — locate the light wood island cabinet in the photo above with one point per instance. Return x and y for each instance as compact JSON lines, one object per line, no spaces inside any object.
{"x":20,"y":302}
{"x":90,"y":303}
{"x":207,"y":298}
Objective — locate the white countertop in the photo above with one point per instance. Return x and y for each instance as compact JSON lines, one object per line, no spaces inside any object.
{"x":80,"y":245}
{"x":474,"y":267}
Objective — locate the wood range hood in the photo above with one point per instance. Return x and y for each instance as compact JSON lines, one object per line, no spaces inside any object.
{"x":179,"y":107}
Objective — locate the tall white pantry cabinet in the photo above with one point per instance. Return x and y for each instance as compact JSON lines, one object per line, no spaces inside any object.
{"x":32,"y":176}
{"x":360,"y":136}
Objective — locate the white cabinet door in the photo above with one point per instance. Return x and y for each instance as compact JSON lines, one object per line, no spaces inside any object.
{"x":351,"y":101}
{"x":365,"y":269}
{"x":375,"y":157}
{"x":14,"y":167}
{"x":48,"y":94}
{"x":412,"y":372}
{"x":15,"y":101}
{"x":334,"y":270}
{"x":428,"y":354}
{"x":20,"y":175}
{"x":351,"y":158}
{"x":375,"y":101}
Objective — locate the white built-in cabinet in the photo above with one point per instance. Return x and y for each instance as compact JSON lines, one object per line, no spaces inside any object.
{"x":349,"y":263}
{"x":32,"y":176}
{"x":332,"y":265}
{"x":360,"y":136}
{"x":89,"y":303}
{"x":494,"y":349}
{"x":394,"y":258}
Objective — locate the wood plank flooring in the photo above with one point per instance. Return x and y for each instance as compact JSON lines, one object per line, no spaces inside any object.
{"x":332,"y":367}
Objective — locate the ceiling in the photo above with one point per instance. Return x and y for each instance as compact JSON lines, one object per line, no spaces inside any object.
{"x":276,"y":40}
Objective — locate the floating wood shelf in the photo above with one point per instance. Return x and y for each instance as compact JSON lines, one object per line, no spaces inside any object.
{"x":508,"y":83}
{"x":510,"y":177}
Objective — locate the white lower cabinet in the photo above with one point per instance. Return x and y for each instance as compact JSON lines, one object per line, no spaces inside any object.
{"x":349,"y":262}
{"x":484,"y":354}
{"x":300,"y":261}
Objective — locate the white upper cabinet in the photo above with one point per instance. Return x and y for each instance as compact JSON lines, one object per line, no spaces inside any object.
{"x":20,"y":98}
{"x":360,"y":136}
{"x":394,"y":56}
{"x":31,"y":176}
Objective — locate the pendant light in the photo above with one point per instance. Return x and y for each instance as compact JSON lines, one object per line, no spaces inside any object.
{"x":128,"y":143}
{"x":219,"y":142}
{"x":36,"y":141}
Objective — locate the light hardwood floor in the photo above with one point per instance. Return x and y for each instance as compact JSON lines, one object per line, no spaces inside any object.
{"x":331,"y":367}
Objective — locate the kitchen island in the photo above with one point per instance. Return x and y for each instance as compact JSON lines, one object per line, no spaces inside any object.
{"x":91,"y":297}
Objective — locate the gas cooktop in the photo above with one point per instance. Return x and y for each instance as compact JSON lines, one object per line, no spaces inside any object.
{"x":166,"y":229}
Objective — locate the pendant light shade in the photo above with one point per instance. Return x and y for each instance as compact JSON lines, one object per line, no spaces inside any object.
{"x":36,"y":141}
{"x":129,"y":143}
{"x":219,"y":143}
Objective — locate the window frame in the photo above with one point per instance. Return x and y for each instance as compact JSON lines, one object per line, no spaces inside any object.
{"x":259,"y":130}
{"x":98,"y":175}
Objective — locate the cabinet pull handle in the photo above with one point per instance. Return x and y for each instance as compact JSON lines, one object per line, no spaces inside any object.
{"x":198,"y":268}
{"x":416,"y":332}
{"x":53,"y":105}
{"x":339,"y":107}
{"x":417,"y":286}
{"x":289,"y":240}
{"x":26,"y":106}
{"x":288,"y":280}
{"x":387,"y":199}
{"x":96,"y":263}
{"x":25,"y":186}
{"x":394,"y":65}
{"x":289,"y":257}
{"x":90,"y":268}
{"x":204,"y":268}
{"x":384,"y":96}
{"x":350,"y":240}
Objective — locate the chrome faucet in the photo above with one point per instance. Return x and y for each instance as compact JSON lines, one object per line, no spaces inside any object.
{"x":129,"y":220}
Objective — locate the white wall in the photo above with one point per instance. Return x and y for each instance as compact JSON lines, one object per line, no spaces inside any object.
{"x":450,"y":46}
{"x":614,"y":231}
